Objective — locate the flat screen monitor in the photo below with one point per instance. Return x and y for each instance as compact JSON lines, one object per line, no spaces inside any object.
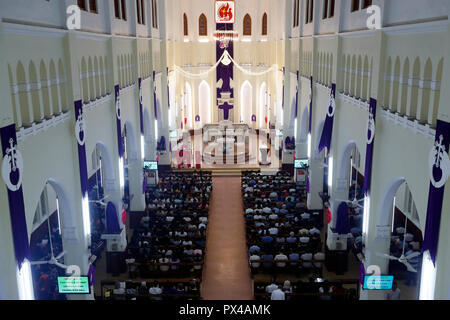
{"x":378,"y":282}
{"x":74,"y":285}
{"x":173,"y":134}
{"x":279,"y":133}
{"x":150,"y":165}
{"x":301,"y":163}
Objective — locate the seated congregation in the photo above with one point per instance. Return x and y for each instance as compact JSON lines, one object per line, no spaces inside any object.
{"x":283,"y":237}
{"x":169,"y":243}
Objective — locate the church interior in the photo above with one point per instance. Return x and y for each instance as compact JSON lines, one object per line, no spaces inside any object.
{"x":224,"y":150}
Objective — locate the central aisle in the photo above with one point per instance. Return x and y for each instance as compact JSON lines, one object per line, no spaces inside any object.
{"x":227,"y":273}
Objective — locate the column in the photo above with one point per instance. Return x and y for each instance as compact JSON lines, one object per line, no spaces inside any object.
{"x":393,"y":80}
{"x":27,"y":89}
{"x":408,"y":97}
{"x":41,"y":100}
{"x":16,"y":103}
{"x":435,"y":86}
{"x":135,"y":175}
{"x":316,"y":172}
{"x":400,"y":93}
{"x":419,"y":99}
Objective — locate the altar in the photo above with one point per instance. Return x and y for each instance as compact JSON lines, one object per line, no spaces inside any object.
{"x":226,"y":143}
{"x":225,"y":129}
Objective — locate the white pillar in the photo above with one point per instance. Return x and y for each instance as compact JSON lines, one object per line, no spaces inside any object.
{"x":435,"y":86}
{"x":408,"y":96}
{"x":419,"y":100}
{"x":57,"y":85}
{"x":41,"y":100}
{"x":316,"y":173}
{"x":136,"y":176}
{"x":15,"y":91}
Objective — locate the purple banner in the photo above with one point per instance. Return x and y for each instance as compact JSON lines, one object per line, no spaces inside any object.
{"x":154,"y":96}
{"x":91,"y":275}
{"x":284,"y":80}
{"x":342,"y":221}
{"x":296,"y":97}
{"x":168,"y":89}
{"x":112,"y":220}
{"x":370,"y":146}
{"x":141,"y":107}
{"x":12,"y":173}
{"x":327,"y":133}
{"x":310,"y":106}
{"x":225,"y":93}
{"x":81,"y":136}
{"x":439,"y":169}
{"x":119,"y":124}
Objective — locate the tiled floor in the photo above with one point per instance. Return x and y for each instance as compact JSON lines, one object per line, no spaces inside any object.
{"x":227,"y":273}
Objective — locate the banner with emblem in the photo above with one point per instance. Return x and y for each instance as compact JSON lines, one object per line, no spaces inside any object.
{"x":296,"y":97}
{"x":12,"y":174}
{"x":141,"y":107}
{"x":370,"y":146}
{"x":439,"y":171}
{"x":80,"y":135}
{"x":310,"y":105}
{"x":225,"y":12}
{"x":225,"y":87}
{"x":327,"y":133}
{"x":154,"y":96}
{"x":284,"y":80}
{"x":119,"y":121}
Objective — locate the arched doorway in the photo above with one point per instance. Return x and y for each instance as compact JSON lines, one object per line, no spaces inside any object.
{"x":204,"y":102}
{"x":349,"y":181}
{"x":53,"y":234}
{"x":399,"y":218}
{"x":149,"y":136}
{"x":316,"y":169}
{"x":109,"y":183}
{"x":134,"y":198}
{"x":246,"y":102}
{"x":263,"y":105}
{"x":188,"y":105}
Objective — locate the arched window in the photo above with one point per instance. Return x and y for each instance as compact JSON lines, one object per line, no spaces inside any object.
{"x":264,"y":25}
{"x":202,"y":25}
{"x":185,"y":25}
{"x":247,"y":25}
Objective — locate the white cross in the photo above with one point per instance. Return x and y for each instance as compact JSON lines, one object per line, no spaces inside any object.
{"x":12,"y":150}
{"x":440,"y":148}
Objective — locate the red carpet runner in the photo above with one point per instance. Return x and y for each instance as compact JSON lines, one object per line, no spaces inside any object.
{"x":227,"y":273}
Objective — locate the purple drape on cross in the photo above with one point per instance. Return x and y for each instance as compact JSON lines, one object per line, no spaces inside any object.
{"x":439,"y":163}
{"x":342,"y":221}
{"x":327,"y":133}
{"x":112,"y":219}
{"x":15,"y":198}
{"x":224,"y":73}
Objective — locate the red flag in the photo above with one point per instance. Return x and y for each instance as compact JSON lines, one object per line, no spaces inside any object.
{"x":124,"y":216}
{"x":328,"y":215}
